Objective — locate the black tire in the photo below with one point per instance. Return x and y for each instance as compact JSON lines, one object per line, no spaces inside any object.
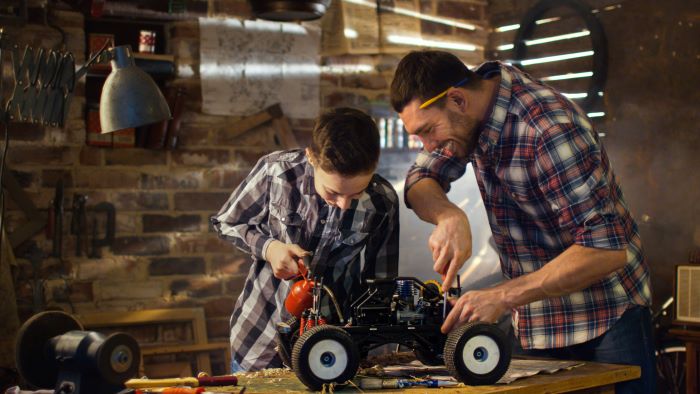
{"x":285,"y":346}
{"x":325,"y":354}
{"x":477,"y":353}
{"x":428,"y":358}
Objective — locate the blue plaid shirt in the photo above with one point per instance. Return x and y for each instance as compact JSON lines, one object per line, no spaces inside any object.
{"x":547,"y":184}
{"x":278,"y":201}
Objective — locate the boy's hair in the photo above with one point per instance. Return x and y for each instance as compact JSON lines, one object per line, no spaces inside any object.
{"x":425,"y":74}
{"x":346,"y":141}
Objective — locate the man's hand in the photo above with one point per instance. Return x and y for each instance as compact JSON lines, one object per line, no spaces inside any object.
{"x":284,"y":259}
{"x":451,"y":245}
{"x":478,"y":305}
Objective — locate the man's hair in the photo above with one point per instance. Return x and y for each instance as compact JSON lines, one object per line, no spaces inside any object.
{"x":345,"y":141}
{"x":425,"y":74}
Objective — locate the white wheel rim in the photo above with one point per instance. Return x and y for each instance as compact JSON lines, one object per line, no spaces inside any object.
{"x":328,"y":359}
{"x":481,"y":354}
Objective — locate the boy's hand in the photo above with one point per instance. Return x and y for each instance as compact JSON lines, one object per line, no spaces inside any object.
{"x":284,"y":259}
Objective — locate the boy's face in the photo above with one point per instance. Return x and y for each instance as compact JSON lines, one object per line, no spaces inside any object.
{"x":338,"y":190}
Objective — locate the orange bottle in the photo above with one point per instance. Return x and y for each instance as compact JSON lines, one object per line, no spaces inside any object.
{"x":300,"y":297}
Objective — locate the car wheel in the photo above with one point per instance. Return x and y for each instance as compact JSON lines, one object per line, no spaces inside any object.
{"x":325,"y":354}
{"x":477,"y":353}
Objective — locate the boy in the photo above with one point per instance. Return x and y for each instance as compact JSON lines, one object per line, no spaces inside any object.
{"x":325,"y":202}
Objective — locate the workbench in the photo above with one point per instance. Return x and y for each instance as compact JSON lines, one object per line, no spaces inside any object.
{"x":588,"y":378}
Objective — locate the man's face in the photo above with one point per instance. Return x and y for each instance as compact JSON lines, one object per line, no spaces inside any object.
{"x":438,"y":127}
{"x":339,"y":190}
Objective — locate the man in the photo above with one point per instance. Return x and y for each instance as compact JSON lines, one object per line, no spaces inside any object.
{"x":324,"y":201}
{"x":576,"y":280}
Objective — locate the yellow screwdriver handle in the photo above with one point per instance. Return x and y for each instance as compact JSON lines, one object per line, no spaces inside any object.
{"x":146,"y":383}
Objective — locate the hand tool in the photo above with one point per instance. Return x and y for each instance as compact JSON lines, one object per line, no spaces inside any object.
{"x":379,"y":383}
{"x":227,"y":380}
{"x":78,"y":224}
{"x":183,"y":390}
{"x":108,"y":240}
{"x":57,"y":220}
{"x":444,"y":305}
{"x":151,"y":383}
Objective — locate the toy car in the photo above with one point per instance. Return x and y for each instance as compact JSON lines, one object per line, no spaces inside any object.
{"x":403,"y":310}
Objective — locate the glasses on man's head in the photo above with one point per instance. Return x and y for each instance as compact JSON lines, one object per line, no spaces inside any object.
{"x":439,"y":96}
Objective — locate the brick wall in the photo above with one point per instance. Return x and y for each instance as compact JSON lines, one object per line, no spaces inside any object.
{"x":165,"y":253}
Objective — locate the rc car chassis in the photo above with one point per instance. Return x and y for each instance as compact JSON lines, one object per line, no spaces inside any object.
{"x":403,"y":310}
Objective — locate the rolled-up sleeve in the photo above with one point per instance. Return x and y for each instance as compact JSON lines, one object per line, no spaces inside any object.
{"x":440,"y":165}
{"x":241,"y":217}
{"x":572,"y":179}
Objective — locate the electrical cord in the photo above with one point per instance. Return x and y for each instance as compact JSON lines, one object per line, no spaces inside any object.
{"x":2,"y":185}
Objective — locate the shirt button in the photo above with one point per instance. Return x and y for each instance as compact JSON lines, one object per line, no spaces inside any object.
{"x":284,"y":219}
{"x":323,"y":221}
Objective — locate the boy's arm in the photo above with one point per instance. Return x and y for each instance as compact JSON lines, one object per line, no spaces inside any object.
{"x":382,"y":252}
{"x":246,"y":209}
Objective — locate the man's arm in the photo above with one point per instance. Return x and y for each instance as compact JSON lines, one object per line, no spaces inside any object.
{"x":575,"y":269}
{"x":451,"y":240}
{"x":571,"y":179}
{"x":427,"y":183}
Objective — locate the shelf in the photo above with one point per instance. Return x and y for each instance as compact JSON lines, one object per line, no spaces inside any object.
{"x":157,"y":66}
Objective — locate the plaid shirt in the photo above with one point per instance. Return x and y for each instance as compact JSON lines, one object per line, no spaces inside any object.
{"x":547,"y":184}
{"x":278,"y":201}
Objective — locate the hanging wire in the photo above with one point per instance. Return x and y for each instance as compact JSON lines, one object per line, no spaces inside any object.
{"x":2,"y":180}
{"x":3,"y":121}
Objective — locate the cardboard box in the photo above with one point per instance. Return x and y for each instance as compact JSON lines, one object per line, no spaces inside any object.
{"x":124,"y":138}
{"x":95,"y":42}
{"x":350,"y":28}
{"x":93,"y":135}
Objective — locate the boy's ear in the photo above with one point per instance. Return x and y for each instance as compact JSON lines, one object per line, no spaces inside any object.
{"x":310,"y":156}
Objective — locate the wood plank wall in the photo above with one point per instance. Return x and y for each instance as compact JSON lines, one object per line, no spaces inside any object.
{"x":559,"y":31}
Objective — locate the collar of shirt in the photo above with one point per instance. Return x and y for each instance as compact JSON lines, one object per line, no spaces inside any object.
{"x":490,"y":130}
{"x":308,"y":187}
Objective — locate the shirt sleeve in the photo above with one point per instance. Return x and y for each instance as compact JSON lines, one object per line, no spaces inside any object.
{"x":239,"y":220}
{"x":574,"y":180}
{"x":440,"y":165}
{"x":382,"y":251}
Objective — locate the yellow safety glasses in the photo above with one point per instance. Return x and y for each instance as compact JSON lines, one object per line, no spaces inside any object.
{"x":439,"y":96}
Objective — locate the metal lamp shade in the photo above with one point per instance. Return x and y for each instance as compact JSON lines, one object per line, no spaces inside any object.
{"x":289,"y":10}
{"x":130,"y":97}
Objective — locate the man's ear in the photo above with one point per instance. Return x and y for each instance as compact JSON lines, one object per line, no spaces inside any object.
{"x":458,"y":99}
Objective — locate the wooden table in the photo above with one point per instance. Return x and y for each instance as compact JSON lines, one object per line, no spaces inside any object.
{"x":588,"y":378}
{"x":692,"y":345}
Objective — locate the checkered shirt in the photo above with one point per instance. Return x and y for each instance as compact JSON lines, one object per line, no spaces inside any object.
{"x":547,"y":184}
{"x":278,"y":201}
